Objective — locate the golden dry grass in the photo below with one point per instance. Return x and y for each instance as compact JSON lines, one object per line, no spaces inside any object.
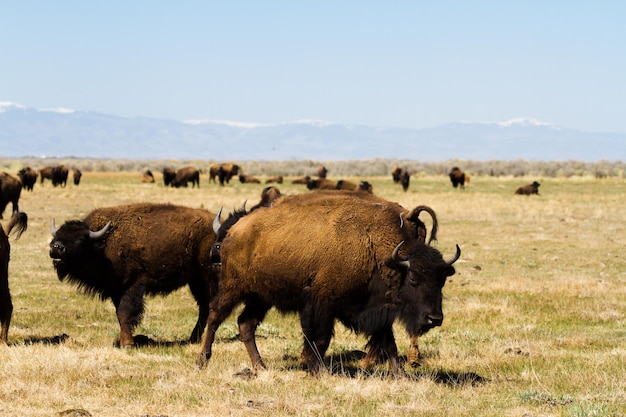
{"x":535,"y":316}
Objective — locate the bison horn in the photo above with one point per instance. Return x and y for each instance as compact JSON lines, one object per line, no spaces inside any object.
{"x":100,"y":233}
{"x":53,"y":228}
{"x":396,"y":257}
{"x":216,"y":221}
{"x":456,"y":256}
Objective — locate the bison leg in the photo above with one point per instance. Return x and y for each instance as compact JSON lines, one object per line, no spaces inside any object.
{"x":248,"y":320}
{"x":413,"y":356}
{"x":220,"y":309}
{"x":382,"y":347}
{"x":129,"y":309}
{"x":6,"y":309}
{"x":317,"y":327}
{"x":201,"y":293}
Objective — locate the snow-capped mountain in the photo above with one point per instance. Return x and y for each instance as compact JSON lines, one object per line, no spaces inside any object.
{"x":64,"y":132}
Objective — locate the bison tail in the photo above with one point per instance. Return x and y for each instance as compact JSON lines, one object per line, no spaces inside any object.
{"x":19,"y":219}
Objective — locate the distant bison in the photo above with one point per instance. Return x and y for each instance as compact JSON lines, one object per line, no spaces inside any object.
{"x":330,"y":255}
{"x":10,"y":190}
{"x":59,"y":175}
{"x":347,"y":185}
{"x":147,"y":176}
{"x":321,"y":184}
{"x":248,"y":179}
{"x":301,"y":180}
{"x":124,"y":253}
{"x":529,"y":189}
{"x":77,"y":175}
{"x":458,"y":177}
{"x":277,"y":179}
{"x":395,"y":174}
{"x":28,"y":176}
{"x":223,"y":172}
{"x":168,"y":176}
{"x":186,"y":175}
{"x":322,"y":171}
{"x":405,"y":177}
{"x":20,"y":221}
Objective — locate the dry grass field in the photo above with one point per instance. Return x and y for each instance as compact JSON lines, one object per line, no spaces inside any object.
{"x":535,"y":317}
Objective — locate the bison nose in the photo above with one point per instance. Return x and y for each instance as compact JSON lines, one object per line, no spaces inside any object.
{"x":435,"y":319}
{"x":57,"y":248}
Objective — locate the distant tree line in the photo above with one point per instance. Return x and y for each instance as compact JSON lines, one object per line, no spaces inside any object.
{"x":362,"y":168}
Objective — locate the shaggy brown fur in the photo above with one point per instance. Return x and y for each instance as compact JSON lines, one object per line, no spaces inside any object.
{"x":28,"y":176}
{"x":528,"y":189}
{"x":10,"y":190}
{"x":186,"y":175}
{"x":149,"y":249}
{"x":223,"y":172}
{"x":20,"y":221}
{"x":458,"y":177}
{"x":327,"y":255}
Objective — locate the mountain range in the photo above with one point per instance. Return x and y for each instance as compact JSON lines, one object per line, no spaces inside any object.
{"x":31,"y":132}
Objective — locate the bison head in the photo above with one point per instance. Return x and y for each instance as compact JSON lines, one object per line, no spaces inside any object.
{"x":425,"y":273}
{"x":72,"y":244}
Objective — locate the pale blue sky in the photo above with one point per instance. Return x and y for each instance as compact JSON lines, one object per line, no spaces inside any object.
{"x":396,"y":63}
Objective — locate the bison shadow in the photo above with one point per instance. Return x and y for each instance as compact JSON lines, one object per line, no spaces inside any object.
{"x":46,"y":340}
{"x":347,"y":364}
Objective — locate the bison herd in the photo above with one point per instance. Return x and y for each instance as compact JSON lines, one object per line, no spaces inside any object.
{"x":338,"y":254}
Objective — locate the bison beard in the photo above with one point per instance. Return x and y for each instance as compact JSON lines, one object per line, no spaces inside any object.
{"x":270,"y":260}
{"x":19,"y":222}
{"x":138,"y":250}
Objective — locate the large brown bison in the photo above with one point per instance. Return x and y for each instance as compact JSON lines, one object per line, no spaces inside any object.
{"x":20,"y":221}
{"x":529,"y":189}
{"x":223,"y":172}
{"x":77,"y":175}
{"x":301,"y":180}
{"x":186,"y":175}
{"x":28,"y":176}
{"x":124,"y":253}
{"x":330,"y":256}
{"x":59,"y":175}
{"x":10,"y":190}
{"x":458,"y":177}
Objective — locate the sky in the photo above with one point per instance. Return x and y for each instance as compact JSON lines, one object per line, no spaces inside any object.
{"x":413,"y":63}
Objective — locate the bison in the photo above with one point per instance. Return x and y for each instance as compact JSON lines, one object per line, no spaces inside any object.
{"x":458,"y":177}
{"x":301,"y":180}
{"x":126,"y":252}
{"x":223,"y":172}
{"x":528,"y":189}
{"x":147,"y":177}
{"x":59,"y":175}
{"x":277,"y":179}
{"x":321,"y":184}
{"x":10,"y":190}
{"x":28,"y":176}
{"x":19,"y":220}
{"x":348,"y":185}
{"x":395,"y":174}
{"x":77,"y":175}
{"x":248,"y":179}
{"x":405,"y":177}
{"x":186,"y":175}
{"x":322,"y":171}
{"x":330,"y":256}
{"x":45,"y":173}
{"x":168,"y":176}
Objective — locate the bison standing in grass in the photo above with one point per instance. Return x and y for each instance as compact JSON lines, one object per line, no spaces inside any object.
{"x":20,"y":221}
{"x":28,"y":176}
{"x":126,"y":252}
{"x":331,"y":255}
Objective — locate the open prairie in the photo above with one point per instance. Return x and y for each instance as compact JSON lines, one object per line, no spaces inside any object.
{"x":535,"y":317}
